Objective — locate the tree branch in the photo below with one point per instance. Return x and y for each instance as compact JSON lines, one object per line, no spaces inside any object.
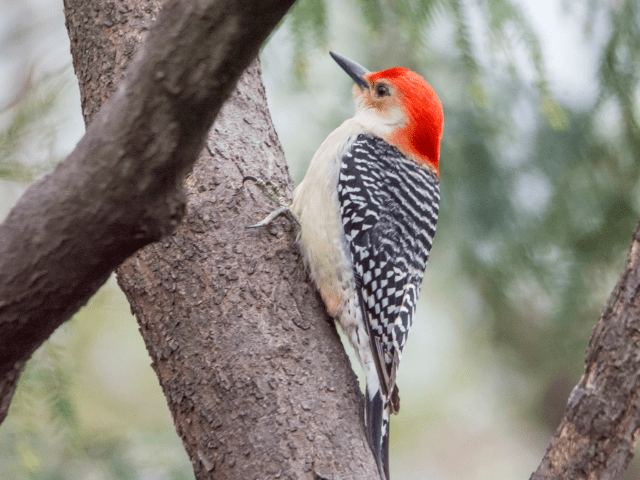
{"x":601,"y":424}
{"x":120,"y":189}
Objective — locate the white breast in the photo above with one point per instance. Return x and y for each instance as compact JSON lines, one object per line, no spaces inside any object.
{"x":322,"y":240}
{"x":315,"y":201}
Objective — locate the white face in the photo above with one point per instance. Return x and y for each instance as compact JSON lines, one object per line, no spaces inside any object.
{"x":379,"y":108}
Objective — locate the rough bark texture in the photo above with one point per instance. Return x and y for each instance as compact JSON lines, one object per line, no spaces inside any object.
{"x":104,"y":37}
{"x":253,"y":370}
{"x":121,"y":188}
{"x":601,"y":424}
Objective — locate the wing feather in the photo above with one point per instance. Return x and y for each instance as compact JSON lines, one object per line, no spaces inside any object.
{"x":389,"y":207}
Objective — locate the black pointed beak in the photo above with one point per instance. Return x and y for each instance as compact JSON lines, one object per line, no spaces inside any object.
{"x":355,"y":71}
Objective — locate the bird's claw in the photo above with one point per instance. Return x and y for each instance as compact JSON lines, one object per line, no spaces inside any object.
{"x":271,"y":217}
{"x":273,"y":194}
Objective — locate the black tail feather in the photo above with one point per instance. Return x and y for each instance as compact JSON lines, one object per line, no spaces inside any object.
{"x":378,"y":432}
{"x":384,"y":450}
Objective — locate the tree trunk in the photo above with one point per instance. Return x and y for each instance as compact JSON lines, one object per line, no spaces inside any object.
{"x":253,"y":371}
{"x":601,"y":423}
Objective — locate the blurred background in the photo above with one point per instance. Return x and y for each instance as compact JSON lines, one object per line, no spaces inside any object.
{"x":540,"y":184}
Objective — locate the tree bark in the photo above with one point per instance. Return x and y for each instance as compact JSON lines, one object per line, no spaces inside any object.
{"x":252,"y":368}
{"x":601,"y":424}
{"x":121,"y":187}
{"x":253,"y":371}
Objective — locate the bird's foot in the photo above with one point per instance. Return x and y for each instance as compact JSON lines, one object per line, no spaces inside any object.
{"x":273,"y":194}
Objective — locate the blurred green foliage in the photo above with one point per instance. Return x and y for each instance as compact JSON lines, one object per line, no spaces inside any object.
{"x":88,"y":406}
{"x":24,"y":129}
{"x":545,"y":270}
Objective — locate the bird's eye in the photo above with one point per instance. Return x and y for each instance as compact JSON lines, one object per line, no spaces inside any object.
{"x":382,"y":90}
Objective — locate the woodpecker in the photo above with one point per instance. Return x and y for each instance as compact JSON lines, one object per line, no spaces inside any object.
{"x":367,"y":209}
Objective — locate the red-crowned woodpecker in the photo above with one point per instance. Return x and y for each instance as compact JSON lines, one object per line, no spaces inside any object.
{"x":367,"y":209}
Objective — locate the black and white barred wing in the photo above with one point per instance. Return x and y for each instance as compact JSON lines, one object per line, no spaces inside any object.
{"x":389,"y":207}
